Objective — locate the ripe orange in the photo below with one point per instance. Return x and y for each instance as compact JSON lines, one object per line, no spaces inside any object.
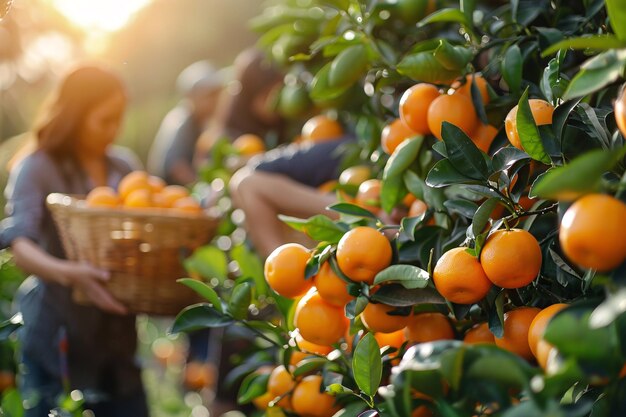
{"x":543,"y":351}
{"x":249,"y":144}
{"x":592,"y":232}
{"x":199,"y":375}
{"x":188,"y":205}
{"x":171,"y":193}
{"x":459,"y":277}
{"x":539,"y":324}
{"x":542,"y":114}
{"x":511,"y":258}
{"x":136,"y":180}
{"x":417,"y":208}
{"x":281,"y":383}
{"x":456,"y":109}
{"x":331,"y":288}
{"x":480,"y":333}
{"x":140,"y":198}
{"x":308,"y":401}
{"x":414,"y":105}
{"x":393,"y":339}
{"x":362,"y":253}
{"x":393,"y":134}
{"x":376,"y":319}
{"x":156,"y":184}
{"x":428,"y":327}
{"x":620,"y":112}
{"x":368,"y":195}
{"x":284,"y":270}
{"x":306,"y":349}
{"x":328,"y":187}
{"x":355,"y":175}
{"x":102,"y":197}
{"x":516,"y":325}
{"x":483,"y":136}
{"x":262,"y":401}
{"x":319,"y":322}
{"x":466,"y":87}
{"x":320,"y":128}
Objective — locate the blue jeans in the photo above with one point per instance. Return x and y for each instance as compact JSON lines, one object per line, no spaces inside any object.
{"x":41,"y":392}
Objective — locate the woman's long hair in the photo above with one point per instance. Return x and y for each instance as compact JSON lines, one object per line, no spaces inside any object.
{"x":57,"y":127}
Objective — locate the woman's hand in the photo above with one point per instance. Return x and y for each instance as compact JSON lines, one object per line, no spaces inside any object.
{"x":89,"y":279}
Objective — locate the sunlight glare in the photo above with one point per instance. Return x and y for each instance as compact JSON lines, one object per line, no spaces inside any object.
{"x":103,"y":15}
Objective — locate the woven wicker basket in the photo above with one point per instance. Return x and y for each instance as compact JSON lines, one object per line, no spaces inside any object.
{"x":142,"y":249}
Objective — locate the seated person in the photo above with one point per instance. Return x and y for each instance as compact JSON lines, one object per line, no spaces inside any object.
{"x":173,"y":148}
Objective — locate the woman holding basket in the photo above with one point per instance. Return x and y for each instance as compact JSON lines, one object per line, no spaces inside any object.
{"x":65,"y":346}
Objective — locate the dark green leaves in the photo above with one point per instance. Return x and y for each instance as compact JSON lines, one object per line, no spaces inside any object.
{"x":199,"y":316}
{"x":204,"y":291}
{"x":465,"y":157}
{"x":240,"y":300}
{"x":528,"y":131}
{"x":512,"y":68}
{"x":367,"y":365}
{"x":599,"y":42}
{"x":597,"y":73}
{"x":440,"y":65}
{"x":410,"y":277}
{"x":402,"y":157}
{"x":348,"y":66}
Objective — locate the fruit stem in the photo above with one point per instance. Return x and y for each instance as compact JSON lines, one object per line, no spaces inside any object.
{"x":506,"y":224}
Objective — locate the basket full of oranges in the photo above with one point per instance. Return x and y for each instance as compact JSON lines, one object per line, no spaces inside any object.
{"x":141,"y":233}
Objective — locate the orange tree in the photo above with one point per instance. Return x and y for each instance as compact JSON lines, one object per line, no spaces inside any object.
{"x":514,"y":152}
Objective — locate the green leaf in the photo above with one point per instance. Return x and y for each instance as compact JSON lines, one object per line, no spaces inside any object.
{"x":367,"y":365}
{"x":240,"y":301}
{"x":482,"y":215}
{"x":353,"y":210}
{"x":616,"y":9}
{"x":199,"y":316}
{"x":250,"y":266}
{"x":596,"y":73}
{"x":506,"y":157}
{"x":396,"y":295}
{"x":203,"y":290}
{"x":402,"y":157}
{"x":348,"y":67}
{"x":414,"y":184}
{"x":308,"y":365}
{"x":252,"y":386}
{"x":581,"y":176}
{"x":318,"y":227}
{"x":409,"y":276}
{"x":391,"y":192}
{"x":463,"y":153}
{"x":209,"y":262}
{"x":423,"y":66}
{"x":453,"y":58}
{"x":528,"y":131}
{"x":12,"y":403}
{"x":552,"y":84}
{"x":321,"y":90}
{"x":463,"y":207}
{"x":512,"y":68}
{"x":449,"y":16}
{"x":597,"y":42}
{"x":443,"y":173}
{"x":502,"y":369}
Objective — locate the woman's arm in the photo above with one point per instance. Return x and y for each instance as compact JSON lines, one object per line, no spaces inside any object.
{"x":32,"y":259}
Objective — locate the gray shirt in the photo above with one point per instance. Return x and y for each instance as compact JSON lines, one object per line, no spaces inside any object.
{"x":101,"y":346}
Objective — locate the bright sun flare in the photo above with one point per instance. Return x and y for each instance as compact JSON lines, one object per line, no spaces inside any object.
{"x":102,"y":15}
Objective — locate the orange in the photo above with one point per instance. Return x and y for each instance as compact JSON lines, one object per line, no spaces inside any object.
{"x":408,"y":200}
{"x":539,"y":324}
{"x":414,"y":105}
{"x":542,"y":114}
{"x":480,"y":333}
{"x":620,"y":112}
{"x":511,"y":258}
{"x":368,"y":195}
{"x":320,"y":128}
{"x":187,"y":205}
{"x":466,"y":87}
{"x":459,"y":277}
{"x":543,"y":351}
{"x":516,"y":325}
{"x":249,"y":144}
{"x":7,"y":380}
{"x":319,"y":322}
{"x":592,"y":232}
{"x":140,"y":198}
{"x":102,"y":197}
{"x":362,"y":253}
{"x":394,"y":134}
{"x":376,"y":319}
{"x":428,"y":327}
{"x":328,"y":186}
{"x":136,"y":180}
{"x":262,"y":401}
{"x":422,"y":411}
{"x":417,"y":208}
{"x":280,"y":384}
{"x":199,"y":375}
{"x":393,"y":339}
{"x":483,"y":136}
{"x":456,"y":109}
{"x":330,"y":287}
{"x":284,"y":270}
{"x":306,"y":349}
{"x":171,"y":193}
{"x":355,"y":175}
{"x":308,"y":401}
{"x":156,"y":184}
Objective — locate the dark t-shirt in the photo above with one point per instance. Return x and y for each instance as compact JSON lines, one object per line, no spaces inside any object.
{"x":175,"y":141}
{"x":102,"y":346}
